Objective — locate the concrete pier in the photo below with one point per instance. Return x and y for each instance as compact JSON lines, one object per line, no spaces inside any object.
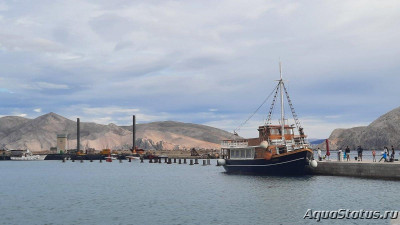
{"x":367,"y":169}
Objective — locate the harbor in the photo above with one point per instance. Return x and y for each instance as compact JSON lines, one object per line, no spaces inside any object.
{"x":154,"y":193}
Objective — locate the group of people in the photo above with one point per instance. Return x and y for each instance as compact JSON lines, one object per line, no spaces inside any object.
{"x":387,"y":156}
{"x":346,"y":153}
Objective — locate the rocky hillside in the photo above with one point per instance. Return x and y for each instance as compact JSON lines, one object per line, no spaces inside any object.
{"x":384,"y":131}
{"x":181,"y":135}
{"x":40,"y":134}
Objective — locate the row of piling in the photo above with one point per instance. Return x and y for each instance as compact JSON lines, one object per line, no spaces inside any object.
{"x":158,"y":160}
{"x":169,"y":161}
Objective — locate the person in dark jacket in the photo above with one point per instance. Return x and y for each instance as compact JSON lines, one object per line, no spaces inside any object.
{"x":360,"y":152}
{"x":393,"y":154}
{"x":347,"y":153}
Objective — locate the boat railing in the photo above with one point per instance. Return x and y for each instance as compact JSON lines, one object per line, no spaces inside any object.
{"x":234,"y":144}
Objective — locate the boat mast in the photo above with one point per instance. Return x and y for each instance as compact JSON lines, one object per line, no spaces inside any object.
{"x":282,"y":104}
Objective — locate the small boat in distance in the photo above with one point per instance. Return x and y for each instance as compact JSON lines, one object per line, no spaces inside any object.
{"x":25,"y":155}
{"x":276,"y":151}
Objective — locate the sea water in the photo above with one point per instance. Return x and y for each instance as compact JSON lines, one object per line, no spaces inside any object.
{"x":52,"y":192}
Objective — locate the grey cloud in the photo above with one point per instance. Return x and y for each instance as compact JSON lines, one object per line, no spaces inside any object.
{"x":184,"y":57}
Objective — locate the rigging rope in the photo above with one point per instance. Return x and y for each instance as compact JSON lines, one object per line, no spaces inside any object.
{"x":265,"y":100}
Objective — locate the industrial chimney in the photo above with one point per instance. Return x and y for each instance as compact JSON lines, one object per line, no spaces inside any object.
{"x":78,"y":135}
{"x":133,"y":133}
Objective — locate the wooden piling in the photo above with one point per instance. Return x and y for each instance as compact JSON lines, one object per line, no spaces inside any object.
{"x":191,"y":162}
{"x":174,"y":160}
{"x":180,"y":161}
{"x":101,"y":160}
{"x":196,"y":161}
{"x":81,"y":160}
{"x":169,"y":161}
{"x":141,"y":159}
{"x":204,"y":162}
{"x":165,"y":160}
{"x":130,"y":159}
{"x":63,"y":160}
{"x":184,"y":161}
{"x":151,"y":161}
{"x":120,"y":160}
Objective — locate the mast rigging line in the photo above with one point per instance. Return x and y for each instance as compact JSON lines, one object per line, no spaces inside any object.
{"x":265,"y":100}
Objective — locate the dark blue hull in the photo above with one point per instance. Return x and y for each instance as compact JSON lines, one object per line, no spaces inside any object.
{"x":292,"y":164}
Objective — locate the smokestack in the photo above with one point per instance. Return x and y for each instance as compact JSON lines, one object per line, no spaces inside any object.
{"x":78,"y":135}
{"x":133,"y":132}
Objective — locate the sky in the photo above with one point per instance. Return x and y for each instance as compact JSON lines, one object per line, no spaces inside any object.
{"x":204,"y":62}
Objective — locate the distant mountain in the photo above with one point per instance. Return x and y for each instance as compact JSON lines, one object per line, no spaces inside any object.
{"x":181,"y":135}
{"x":384,"y":131}
{"x":41,"y":134}
{"x":316,"y":141}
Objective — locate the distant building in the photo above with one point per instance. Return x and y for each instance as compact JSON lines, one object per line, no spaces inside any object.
{"x":61,"y":143}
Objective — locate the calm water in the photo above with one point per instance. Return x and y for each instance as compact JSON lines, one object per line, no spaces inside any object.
{"x":52,"y":192}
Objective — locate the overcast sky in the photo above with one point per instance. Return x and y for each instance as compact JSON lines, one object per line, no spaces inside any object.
{"x":206,"y":62}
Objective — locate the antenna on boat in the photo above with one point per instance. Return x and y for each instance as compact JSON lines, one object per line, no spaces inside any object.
{"x":282,"y":103}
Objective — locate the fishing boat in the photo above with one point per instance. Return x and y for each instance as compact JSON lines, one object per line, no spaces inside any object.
{"x":277,"y":150}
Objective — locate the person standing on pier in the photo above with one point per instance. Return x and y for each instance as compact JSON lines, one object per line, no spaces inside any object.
{"x":359,"y":151}
{"x":384,"y":155}
{"x":393,"y":153}
{"x":319,"y":154}
{"x":386,"y":151}
{"x":347,"y":153}
{"x":373,"y":155}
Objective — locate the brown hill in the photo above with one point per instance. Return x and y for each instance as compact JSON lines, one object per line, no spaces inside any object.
{"x":384,"y":131}
{"x":180,"y":135}
{"x":40,"y":134}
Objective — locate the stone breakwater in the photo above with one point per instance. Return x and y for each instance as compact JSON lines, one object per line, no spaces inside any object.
{"x":366,"y":169}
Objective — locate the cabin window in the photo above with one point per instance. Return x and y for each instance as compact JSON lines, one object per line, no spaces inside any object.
{"x":275,"y":131}
{"x":233,"y":153}
{"x":245,"y":153}
{"x":249,"y":153}
{"x":288,"y":131}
